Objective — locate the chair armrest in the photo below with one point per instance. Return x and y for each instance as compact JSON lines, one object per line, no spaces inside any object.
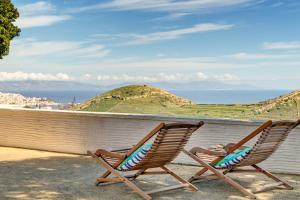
{"x":207,"y":151}
{"x":102,"y":152}
{"x":228,"y":146}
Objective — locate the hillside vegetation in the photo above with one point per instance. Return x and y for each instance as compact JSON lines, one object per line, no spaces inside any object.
{"x":283,"y":107}
{"x":150,"y":100}
{"x":135,"y":99}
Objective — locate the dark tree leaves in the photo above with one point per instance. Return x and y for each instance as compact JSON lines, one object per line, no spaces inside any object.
{"x":8,"y":15}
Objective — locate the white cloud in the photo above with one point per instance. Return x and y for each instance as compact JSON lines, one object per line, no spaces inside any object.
{"x":31,"y":48}
{"x":22,"y":76}
{"x":163,"y":77}
{"x":277,"y":4}
{"x":257,"y":56}
{"x":190,"y":63}
{"x":239,"y":62}
{"x":39,"y":14}
{"x":34,"y":8}
{"x":171,"y":17}
{"x":166,"y":5}
{"x":173,"y":34}
{"x":160,"y":77}
{"x":201,"y":76}
{"x":136,"y":39}
{"x":226,"y":77}
{"x":94,"y":50}
{"x":281,"y":64}
{"x":42,"y":20}
{"x":79,"y":56}
{"x":281,"y":45}
{"x":52,"y":56}
{"x":87,"y":77}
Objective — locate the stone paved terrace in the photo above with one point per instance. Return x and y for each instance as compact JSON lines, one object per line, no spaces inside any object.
{"x":30,"y":174}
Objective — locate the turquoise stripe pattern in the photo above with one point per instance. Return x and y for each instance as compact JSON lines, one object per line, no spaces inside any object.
{"x":233,"y":158}
{"x":134,"y":158}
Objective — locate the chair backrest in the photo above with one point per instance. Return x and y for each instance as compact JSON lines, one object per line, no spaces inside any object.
{"x":169,"y":142}
{"x":269,"y":141}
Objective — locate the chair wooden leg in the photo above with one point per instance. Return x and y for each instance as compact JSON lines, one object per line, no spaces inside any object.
{"x":275,"y":178}
{"x":169,"y":171}
{"x":105,"y":175}
{"x":120,"y":177}
{"x":166,"y":170}
{"x":134,"y":176}
{"x":199,"y":173}
{"x":222,"y":176}
{"x":135,"y":188}
{"x":228,"y":170}
{"x":202,"y":171}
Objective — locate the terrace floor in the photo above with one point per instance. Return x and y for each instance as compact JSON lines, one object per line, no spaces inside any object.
{"x":29,"y":174}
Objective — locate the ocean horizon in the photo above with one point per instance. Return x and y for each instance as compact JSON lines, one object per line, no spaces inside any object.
{"x":197,"y":96}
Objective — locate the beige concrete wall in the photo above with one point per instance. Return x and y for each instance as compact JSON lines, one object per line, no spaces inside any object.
{"x":77,"y":132}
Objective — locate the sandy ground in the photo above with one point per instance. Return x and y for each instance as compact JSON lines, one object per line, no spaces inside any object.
{"x":30,"y":174}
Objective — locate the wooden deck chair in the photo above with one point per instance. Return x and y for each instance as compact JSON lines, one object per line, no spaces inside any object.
{"x":272,"y":134}
{"x":169,"y":142}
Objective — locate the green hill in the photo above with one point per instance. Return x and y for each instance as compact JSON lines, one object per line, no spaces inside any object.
{"x":282,"y":107}
{"x":145,"y":99}
{"x":135,"y":99}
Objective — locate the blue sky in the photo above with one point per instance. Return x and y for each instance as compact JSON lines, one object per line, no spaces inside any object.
{"x":112,"y":41}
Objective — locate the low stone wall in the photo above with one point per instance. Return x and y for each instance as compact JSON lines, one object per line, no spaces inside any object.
{"x":77,"y":132}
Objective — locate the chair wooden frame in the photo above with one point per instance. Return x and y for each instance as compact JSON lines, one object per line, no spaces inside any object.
{"x":169,"y":142}
{"x":272,"y":135}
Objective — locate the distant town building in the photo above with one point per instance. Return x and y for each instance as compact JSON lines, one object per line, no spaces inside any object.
{"x":18,"y":100}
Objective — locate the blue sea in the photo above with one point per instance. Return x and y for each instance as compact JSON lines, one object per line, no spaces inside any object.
{"x":198,"y":96}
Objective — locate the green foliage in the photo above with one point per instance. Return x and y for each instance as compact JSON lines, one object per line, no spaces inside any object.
{"x":8,"y":15}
